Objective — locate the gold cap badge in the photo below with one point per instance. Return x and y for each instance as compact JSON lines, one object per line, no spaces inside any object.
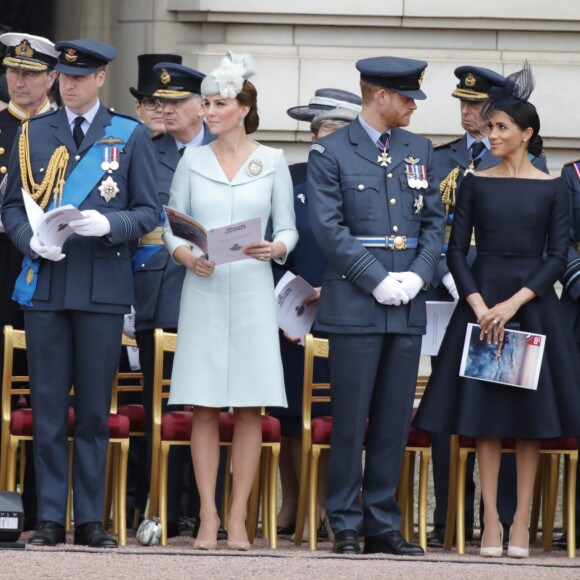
{"x":70,"y":54}
{"x":24,"y":49}
{"x":470,"y":80}
{"x":165,"y":76}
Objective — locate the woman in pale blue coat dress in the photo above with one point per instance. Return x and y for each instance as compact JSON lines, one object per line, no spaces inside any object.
{"x":228,"y":353}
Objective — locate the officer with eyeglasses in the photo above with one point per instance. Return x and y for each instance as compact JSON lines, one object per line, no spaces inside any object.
{"x":170,"y":97}
{"x":147,"y":106}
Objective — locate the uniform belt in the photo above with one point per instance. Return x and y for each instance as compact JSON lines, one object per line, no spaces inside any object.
{"x":448,"y":235}
{"x":391,"y":242}
{"x":152,"y":238}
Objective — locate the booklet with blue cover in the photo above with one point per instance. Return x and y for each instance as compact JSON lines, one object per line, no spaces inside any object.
{"x":515,"y":361}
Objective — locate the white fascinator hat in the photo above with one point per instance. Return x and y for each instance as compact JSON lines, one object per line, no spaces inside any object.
{"x":228,"y":78}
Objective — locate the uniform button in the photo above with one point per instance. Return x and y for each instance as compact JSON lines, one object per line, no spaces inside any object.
{"x":142,"y":265}
{"x":343,"y":277}
{"x":3,"y":169}
{"x":119,"y":254}
{"x":361,"y":187}
{"x":77,"y":157}
{"x":389,"y":175}
{"x":2,"y":150}
{"x":393,"y":201}
{"x":395,"y":229}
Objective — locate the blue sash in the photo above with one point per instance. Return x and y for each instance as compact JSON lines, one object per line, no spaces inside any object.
{"x":77,"y":188}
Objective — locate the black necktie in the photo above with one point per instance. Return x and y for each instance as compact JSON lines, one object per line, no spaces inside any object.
{"x":181,"y":150}
{"x":78,"y":134}
{"x":383,"y":142}
{"x":476,"y":148}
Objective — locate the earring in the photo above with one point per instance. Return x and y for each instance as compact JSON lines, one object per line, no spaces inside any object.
{"x":241,"y":121}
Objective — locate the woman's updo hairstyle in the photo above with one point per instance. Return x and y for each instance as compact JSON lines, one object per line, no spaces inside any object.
{"x":512,"y":99}
{"x":230,"y":81}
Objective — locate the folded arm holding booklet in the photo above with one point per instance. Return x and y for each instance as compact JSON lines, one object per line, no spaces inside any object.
{"x":220,"y":245}
{"x":515,"y":361}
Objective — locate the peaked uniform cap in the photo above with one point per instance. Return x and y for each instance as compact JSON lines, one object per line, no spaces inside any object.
{"x":176,"y":81}
{"x":475,"y":83}
{"x":83,"y":56}
{"x":29,"y":52}
{"x":403,"y":75}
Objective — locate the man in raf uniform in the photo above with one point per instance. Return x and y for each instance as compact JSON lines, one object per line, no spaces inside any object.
{"x":158,"y":280}
{"x":30,"y":74}
{"x":378,"y":219}
{"x":570,"y":301}
{"x":454,"y":160}
{"x":74,"y":297}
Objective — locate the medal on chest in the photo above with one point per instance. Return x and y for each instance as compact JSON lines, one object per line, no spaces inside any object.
{"x":110,"y":159}
{"x":416,"y":176}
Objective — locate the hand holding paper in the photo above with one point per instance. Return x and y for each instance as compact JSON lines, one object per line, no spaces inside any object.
{"x":52,"y":253}
{"x":92,"y":224}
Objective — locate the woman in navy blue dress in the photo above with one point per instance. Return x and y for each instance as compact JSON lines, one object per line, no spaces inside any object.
{"x":520,"y":217}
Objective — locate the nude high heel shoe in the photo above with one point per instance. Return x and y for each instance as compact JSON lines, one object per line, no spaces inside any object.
{"x":492,"y":551}
{"x":517,"y":551}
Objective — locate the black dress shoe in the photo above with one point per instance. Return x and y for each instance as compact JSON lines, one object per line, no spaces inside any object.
{"x":93,"y":535}
{"x":48,"y":534}
{"x":286,"y":530}
{"x":436,"y":537}
{"x":346,"y":542}
{"x":391,"y":543}
{"x":222,"y":534}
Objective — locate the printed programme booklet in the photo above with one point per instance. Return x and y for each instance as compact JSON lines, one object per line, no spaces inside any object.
{"x":220,"y":245}
{"x":294,"y":317}
{"x":438,"y":316}
{"x":515,"y":362}
{"x":50,"y":227}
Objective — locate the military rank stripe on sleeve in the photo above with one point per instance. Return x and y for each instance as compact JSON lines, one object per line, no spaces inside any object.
{"x":429,"y":258}
{"x":359,"y":267}
{"x":572,"y":274}
{"x":128,"y":224}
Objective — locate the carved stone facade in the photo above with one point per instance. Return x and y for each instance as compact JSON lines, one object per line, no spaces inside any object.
{"x":307,"y":44}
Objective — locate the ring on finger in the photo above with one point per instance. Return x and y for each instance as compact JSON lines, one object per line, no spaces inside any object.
{"x":261,"y":257}
{"x":494,"y":321}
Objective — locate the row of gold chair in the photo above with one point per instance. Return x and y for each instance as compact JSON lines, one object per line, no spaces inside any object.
{"x":169,"y":429}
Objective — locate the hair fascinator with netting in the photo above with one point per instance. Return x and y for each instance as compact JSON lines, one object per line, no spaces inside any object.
{"x":517,"y":89}
{"x":228,"y":79}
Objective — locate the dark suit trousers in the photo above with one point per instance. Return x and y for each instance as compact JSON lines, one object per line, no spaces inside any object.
{"x":67,"y":348}
{"x":372,"y":376}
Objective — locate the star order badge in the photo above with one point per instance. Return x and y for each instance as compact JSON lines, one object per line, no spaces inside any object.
{"x":108,"y":189}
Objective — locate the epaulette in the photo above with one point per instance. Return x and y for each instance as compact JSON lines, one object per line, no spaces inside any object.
{"x":43,"y":115}
{"x":440,"y":145}
{"x":113,"y":112}
{"x":571,"y":162}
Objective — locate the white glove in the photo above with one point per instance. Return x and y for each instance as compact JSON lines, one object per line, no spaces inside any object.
{"x":129,"y":324}
{"x":390,"y":292}
{"x":93,"y":224}
{"x":449,"y":283}
{"x":53,"y":253}
{"x":410,"y":282}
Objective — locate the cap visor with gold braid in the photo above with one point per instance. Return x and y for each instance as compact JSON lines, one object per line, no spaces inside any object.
{"x":28,"y":52}
{"x":177,"y":81}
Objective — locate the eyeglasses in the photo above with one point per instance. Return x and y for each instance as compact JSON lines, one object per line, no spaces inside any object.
{"x":150,"y":104}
